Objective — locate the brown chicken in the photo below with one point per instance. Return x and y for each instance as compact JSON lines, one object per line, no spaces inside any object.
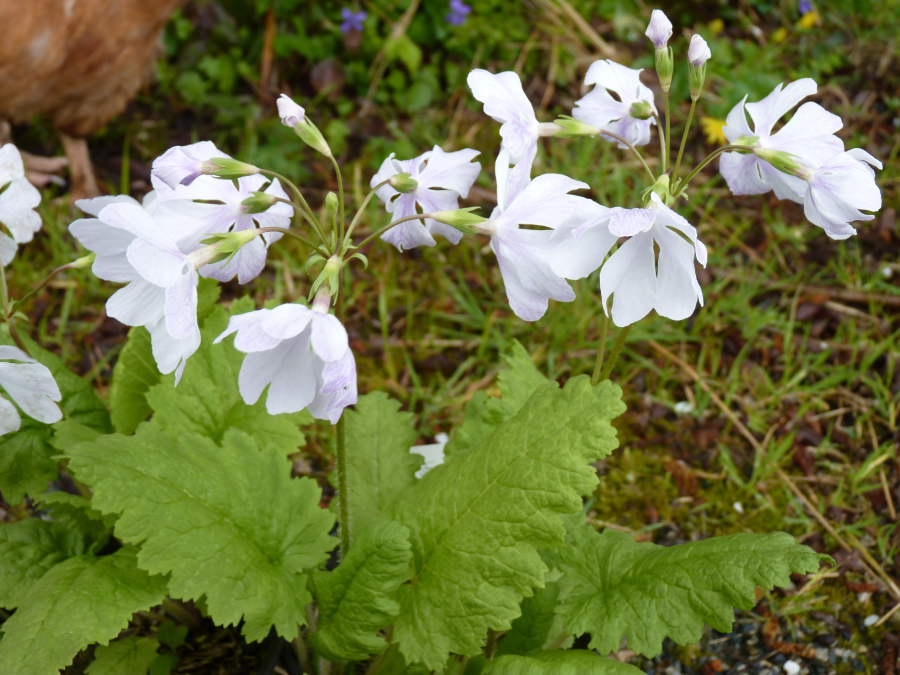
{"x":79,"y":62}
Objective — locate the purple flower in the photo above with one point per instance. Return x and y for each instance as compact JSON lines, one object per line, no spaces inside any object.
{"x":458,"y":12}
{"x":805,"y":7}
{"x":352,"y":20}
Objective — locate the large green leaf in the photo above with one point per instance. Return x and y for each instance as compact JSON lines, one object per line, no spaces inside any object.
{"x":133,"y":375}
{"x":357,"y":599}
{"x":574,"y":662}
{"x":26,"y":456}
{"x":30,"y":548}
{"x":613,"y":586}
{"x":207,"y":400}
{"x":226,"y":522}
{"x":478,"y":521}
{"x":126,"y":656}
{"x":538,"y":626}
{"x":380,"y":466}
{"x":484,"y":413}
{"x":77,"y":603}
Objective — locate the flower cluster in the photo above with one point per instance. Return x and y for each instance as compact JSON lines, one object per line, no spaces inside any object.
{"x":18,"y":199}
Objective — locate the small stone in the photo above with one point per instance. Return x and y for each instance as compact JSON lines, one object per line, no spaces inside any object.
{"x":864,"y":597}
{"x":826,"y":639}
{"x":791,"y":667}
{"x":871,"y":620}
{"x":857,"y":665}
{"x":778,"y":659}
{"x":739,"y":508}
{"x":821,"y":654}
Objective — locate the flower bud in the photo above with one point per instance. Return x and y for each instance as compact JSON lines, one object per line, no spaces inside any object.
{"x":403,"y":182}
{"x":785,"y":162}
{"x":660,"y":29}
{"x":641,"y":110}
{"x":331,"y":202}
{"x":259,"y":202}
{"x":463,"y":220}
{"x":698,"y":55}
{"x":570,"y":127}
{"x":227,"y":168}
{"x":82,"y":263}
{"x":665,"y":65}
{"x":294,"y":117}
{"x":661,"y":188}
{"x":329,"y":280}
{"x":221,"y":246}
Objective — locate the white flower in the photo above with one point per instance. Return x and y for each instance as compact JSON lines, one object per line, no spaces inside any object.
{"x":302,"y":355}
{"x":433,"y":454}
{"x":659,"y":30}
{"x":523,"y":254}
{"x":698,"y":51}
{"x":231,"y":215}
{"x":31,"y":385}
{"x":291,"y":114}
{"x":838,"y":189}
{"x":452,"y":171}
{"x":632,"y":273}
{"x":17,"y":203}
{"x":505,"y":101}
{"x":809,"y":135}
{"x":599,"y":108}
{"x":183,"y":164}
{"x":142,"y":250}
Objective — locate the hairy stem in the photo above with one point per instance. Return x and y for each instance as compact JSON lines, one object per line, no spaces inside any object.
{"x":304,"y":209}
{"x":340,"y":182}
{"x":668,"y":133}
{"x":614,"y":354}
{"x":340,"y":454}
{"x":684,"y":136}
{"x":663,"y":153}
{"x":632,"y":148}
{"x":361,"y":210}
{"x":601,"y":348}
{"x":418,"y":216}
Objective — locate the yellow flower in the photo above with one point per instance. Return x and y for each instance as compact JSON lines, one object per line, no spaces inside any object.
{"x":809,"y":19}
{"x":716,"y":26}
{"x":779,"y":35}
{"x":712,"y":127}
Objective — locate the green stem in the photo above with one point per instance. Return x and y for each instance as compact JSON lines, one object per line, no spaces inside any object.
{"x":340,"y":456}
{"x":668,"y":132}
{"x":684,"y":136}
{"x":491,"y":645}
{"x":4,"y":296}
{"x":418,"y":216}
{"x":662,"y":142}
{"x":302,"y":654}
{"x":710,"y":157}
{"x":614,"y":354}
{"x":47,"y":280}
{"x":340,"y":182}
{"x":298,"y":237}
{"x":557,"y":643}
{"x":601,"y":348}
{"x":377,"y":662}
{"x":632,"y":148}
{"x":362,"y":208}
{"x":305,"y":210}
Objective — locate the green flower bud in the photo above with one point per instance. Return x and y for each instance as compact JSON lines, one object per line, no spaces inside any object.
{"x":82,"y":263}
{"x":641,"y":110}
{"x":219,"y":247}
{"x":259,"y":202}
{"x":570,"y":127}
{"x":665,"y":65}
{"x":403,"y":182}
{"x":329,"y":279}
{"x":463,"y":220}
{"x":697,"y":77}
{"x":227,"y":168}
{"x":331,"y":202}
{"x":661,"y":188}
{"x":784,"y":162}
{"x":747,"y":141}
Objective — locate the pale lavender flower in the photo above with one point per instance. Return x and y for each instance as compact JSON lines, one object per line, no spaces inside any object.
{"x":17,"y":203}
{"x":805,"y":7}
{"x":599,"y":107}
{"x":352,"y":20}
{"x":659,"y":30}
{"x":459,"y":11}
{"x":837,"y":190}
{"x":31,"y":385}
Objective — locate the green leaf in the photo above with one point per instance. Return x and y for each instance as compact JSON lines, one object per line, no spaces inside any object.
{"x":133,"y":375}
{"x":126,"y":656}
{"x":171,"y":635}
{"x":478,"y":521}
{"x":483,"y":413}
{"x":402,"y":48}
{"x":225,"y":522}
{"x":52,"y":626}
{"x":556,"y":662}
{"x":26,"y":456}
{"x":612,"y":586}
{"x":207,"y":400}
{"x":164,"y":664}
{"x":537,"y":627}
{"x":357,"y":599}
{"x":77,"y":509}
{"x":380,"y":467}
{"x":29,"y":549}
{"x":67,"y":433}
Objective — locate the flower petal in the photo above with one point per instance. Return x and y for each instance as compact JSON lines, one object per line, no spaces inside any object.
{"x":287,"y":321}
{"x":329,"y":337}
{"x":773,"y":107}
{"x":11,"y":167}
{"x":629,"y":222}
{"x":450,"y":170}
{"x":137,"y":304}
{"x":677,"y":288}
{"x":181,"y":306}
{"x":32,"y":387}
{"x":582,"y":253}
{"x":9,"y":416}
{"x":17,"y":205}
{"x":293,"y":384}
{"x":505,"y":101}
{"x":543,"y":202}
{"x":809,"y":135}
{"x":630,"y":274}
{"x":741,"y":173}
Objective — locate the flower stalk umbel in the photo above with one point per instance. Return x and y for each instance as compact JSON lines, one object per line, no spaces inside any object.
{"x":434,"y":565}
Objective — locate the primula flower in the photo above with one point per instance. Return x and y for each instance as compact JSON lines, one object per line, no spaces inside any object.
{"x":698,"y":51}
{"x":659,"y":30}
{"x":632,"y":273}
{"x":599,"y":108}
{"x":809,"y":135}
{"x":352,"y":20}
{"x":459,"y":11}
{"x":523,"y":255}
{"x":138,"y":245}
{"x":290,"y":112}
{"x":445,"y":178}
{"x":838,"y":189}
{"x":183,"y":164}
{"x":17,"y":203}
{"x":505,"y":101}
{"x":303,"y":355}
{"x":32,"y":387}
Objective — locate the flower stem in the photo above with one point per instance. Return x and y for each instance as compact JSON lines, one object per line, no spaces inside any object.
{"x":340,"y":453}
{"x":47,"y":280}
{"x":632,"y":148}
{"x":614,"y":354}
{"x":710,"y":157}
{"x":298,"y":237}
{"x":557,"y":643}
{"x":601,"y":348}
{"x":418,"y":216}
{"x":361,"y":210}
{"x":304,"y":209}
{"x":340,"y":182}
{"x":684,"y":136}
{"x":663,"y":153}
{"x":668,"y":133}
